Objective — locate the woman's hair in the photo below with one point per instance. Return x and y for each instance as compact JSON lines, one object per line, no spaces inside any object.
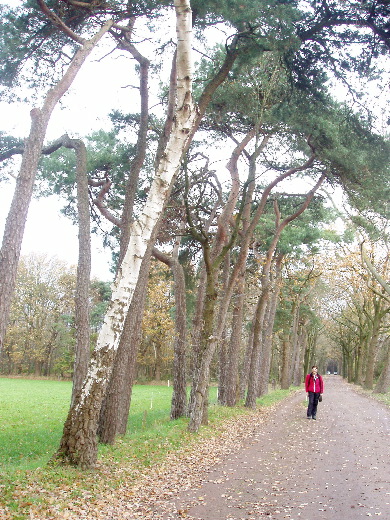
{"x":314,"y":366}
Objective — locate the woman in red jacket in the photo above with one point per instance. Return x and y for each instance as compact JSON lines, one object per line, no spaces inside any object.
{"x":314,"y":386}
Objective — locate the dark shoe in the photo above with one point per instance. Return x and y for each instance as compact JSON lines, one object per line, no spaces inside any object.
{"x":313,"y":417}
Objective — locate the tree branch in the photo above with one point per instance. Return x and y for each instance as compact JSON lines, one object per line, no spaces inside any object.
{"x":56,"y":20}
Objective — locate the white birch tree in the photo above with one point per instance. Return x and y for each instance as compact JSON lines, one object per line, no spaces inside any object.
{"x":79,"y":442}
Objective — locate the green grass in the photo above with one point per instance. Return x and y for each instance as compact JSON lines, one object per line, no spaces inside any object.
{"x":32,"y":414}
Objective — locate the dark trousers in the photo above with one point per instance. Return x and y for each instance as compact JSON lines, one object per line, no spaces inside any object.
{"x":313,"y":402}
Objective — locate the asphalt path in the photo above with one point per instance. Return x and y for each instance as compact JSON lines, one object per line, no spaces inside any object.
{"x":334,"y":468}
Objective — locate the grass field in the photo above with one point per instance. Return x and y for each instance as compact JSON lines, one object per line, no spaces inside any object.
{"x":31,"y":417}
{"x":32,"y":414}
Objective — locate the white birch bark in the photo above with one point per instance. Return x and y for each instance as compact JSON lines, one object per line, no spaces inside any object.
{"x":141,"y":230}
{"x":79,"y":444}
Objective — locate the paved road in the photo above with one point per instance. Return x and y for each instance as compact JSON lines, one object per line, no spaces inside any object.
{"x":334,"y":468}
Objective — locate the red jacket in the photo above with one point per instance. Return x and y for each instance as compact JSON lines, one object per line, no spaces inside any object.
{"x":312,"y":385}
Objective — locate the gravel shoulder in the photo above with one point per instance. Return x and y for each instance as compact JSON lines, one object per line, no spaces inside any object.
{"x":336,"y":467}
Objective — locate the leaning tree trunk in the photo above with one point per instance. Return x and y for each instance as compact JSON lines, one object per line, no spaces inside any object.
{"x":116,"y":404}
{"x":114,"y":412}
{"x":138,"y":160}
{"x":17,"y":216}
{"x":79,"y":441}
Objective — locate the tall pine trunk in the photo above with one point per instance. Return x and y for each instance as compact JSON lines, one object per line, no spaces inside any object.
{"x":237,"y":280}
{"x":232,"y":374}
{"x":82,"y":320}
{"x":285,"y":374}
{"x":254,"y":367}
{"x":253,"y":383}
{"x":213,"y":256}
{"x":295,"y":357}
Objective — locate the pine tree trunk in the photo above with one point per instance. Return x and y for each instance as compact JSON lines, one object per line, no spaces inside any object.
{"x":208,"y":344}
{"x":223,"y":344}
{"x":294,"y":340}
{"x":302,"y":338}
{"x":244,"y":375}
{"x":179,"y":396}
{"x":213,"y":257}
{"x":253,"y":382}
{"x":196,"y":334}
{"x":233,"y":391}
{"x":82,"y":354}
